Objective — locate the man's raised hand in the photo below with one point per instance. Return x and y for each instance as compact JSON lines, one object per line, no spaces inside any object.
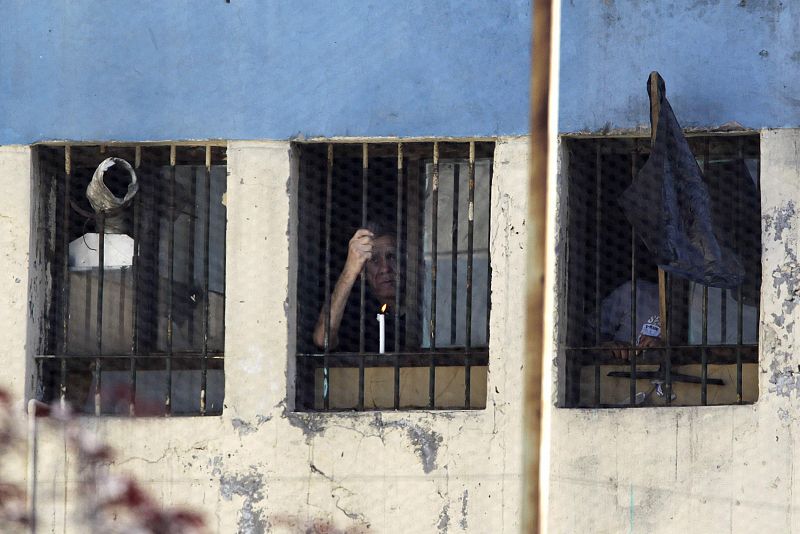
{"x":359,"y":251}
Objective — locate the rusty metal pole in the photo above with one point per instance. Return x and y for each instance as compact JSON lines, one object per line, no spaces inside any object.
{"x":532,"y":507}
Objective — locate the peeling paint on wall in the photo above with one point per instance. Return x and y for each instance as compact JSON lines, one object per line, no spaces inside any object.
{"x":780,"y":219}
{"x":251,"y":487}
{"x":425,"y":440}
{"x":242,"y":426}
{"x":311,"y":424}
{"x":444,"y":518}
{"x":463,"y":521}
{"x":785,"y":382}
{"x":776,"y":334}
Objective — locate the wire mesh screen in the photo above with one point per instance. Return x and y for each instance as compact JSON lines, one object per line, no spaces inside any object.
{"x":638,"y":336}
{"x":137,"y":293}
{"x":393,"y":275}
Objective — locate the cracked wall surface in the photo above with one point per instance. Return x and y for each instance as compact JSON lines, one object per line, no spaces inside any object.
{"x":722,"y":469}
{"x":261,"y":467}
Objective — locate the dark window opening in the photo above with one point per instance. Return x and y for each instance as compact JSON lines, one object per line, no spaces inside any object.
{"x":135,"y":321}
{"x":424,"y":211}
{"x":706,"y":352}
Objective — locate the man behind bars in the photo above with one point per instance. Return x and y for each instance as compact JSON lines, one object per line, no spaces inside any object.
{"x":375,"y":247}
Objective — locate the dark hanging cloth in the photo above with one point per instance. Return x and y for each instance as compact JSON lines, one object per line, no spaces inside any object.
{"x":669,"y":207}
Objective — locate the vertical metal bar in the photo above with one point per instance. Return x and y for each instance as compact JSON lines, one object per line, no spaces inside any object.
{"x":758,"y":196}
{"x":364,"y":207}
{"x":454,"y":258}
{"x":738,"y":248}
{"x":470,"y":251}
{"x":135,"y":275}
{"x":723,"y":312}
{"x":101,"y":232}
{"x":434,"y":262}
{"x":704,"y":351}
{"x":171,"y":267}
{"x":62,"y":387}
{"x":397,"y":243}
{"x":191,"y":238}
{"x":488,"y":250}
{"x":739,"y":392}
{"x":88,"y":304}
{"x":723,"y":300}
{"x":328,"y":203}
{"x":206,"y":294}
{"x":398,"y":270}
{"x":598,"y":221}
{"x":411,"y":257}
{"x":667,"y":336}
{"x":634,"y":289}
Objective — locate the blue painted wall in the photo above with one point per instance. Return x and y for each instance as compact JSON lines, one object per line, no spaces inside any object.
{"x":199,"y":69}
{"x":722,"y":60}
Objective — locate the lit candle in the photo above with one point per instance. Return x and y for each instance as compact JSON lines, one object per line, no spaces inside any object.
{"x":381,"y":317}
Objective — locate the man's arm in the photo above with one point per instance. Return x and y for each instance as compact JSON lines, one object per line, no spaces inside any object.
{"x":358,"y":253}
{"x":616,"y":307}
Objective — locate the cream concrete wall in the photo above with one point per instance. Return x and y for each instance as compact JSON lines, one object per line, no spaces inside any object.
{"x":15,"y":351}
{"x":723,"y":469}
{"x":261,"y":467}
{"x":15,"y":235}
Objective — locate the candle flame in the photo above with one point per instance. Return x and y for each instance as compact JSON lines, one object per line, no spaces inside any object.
{"x":383,"y":308}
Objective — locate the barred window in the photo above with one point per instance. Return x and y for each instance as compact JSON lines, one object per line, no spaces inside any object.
{"x":393,"y":275}
{"x":619,"y":349}
{"x":136,"y":278}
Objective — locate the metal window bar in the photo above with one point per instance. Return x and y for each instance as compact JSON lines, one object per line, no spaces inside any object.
{"x":758,"y":192}
{"x":667,"y":336}
{"x":399,"y":269}
{"x":364,"y":218}
{"x":206,"y":277}
{"x":137,"y":206}
{"x":704,"y":350}
{"x":326,"y":386}
{"x":62,"y":388}
{"x":739,"y":296}
{"x":704,"y":312}
{"x":470,"y":251}
{"x":633,"y":354}
{"x":434,"y":268}
{"x":454,"y":256}
{"x":598,"y":222}
{"x":171,"y":278}
{"x":489,"y":263}
{"x":101,"y":228}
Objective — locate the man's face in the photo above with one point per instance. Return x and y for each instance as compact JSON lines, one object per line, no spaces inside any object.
{"x":382,"y":268}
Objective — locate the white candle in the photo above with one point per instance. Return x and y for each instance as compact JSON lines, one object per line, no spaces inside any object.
{"x":381,"y":317}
